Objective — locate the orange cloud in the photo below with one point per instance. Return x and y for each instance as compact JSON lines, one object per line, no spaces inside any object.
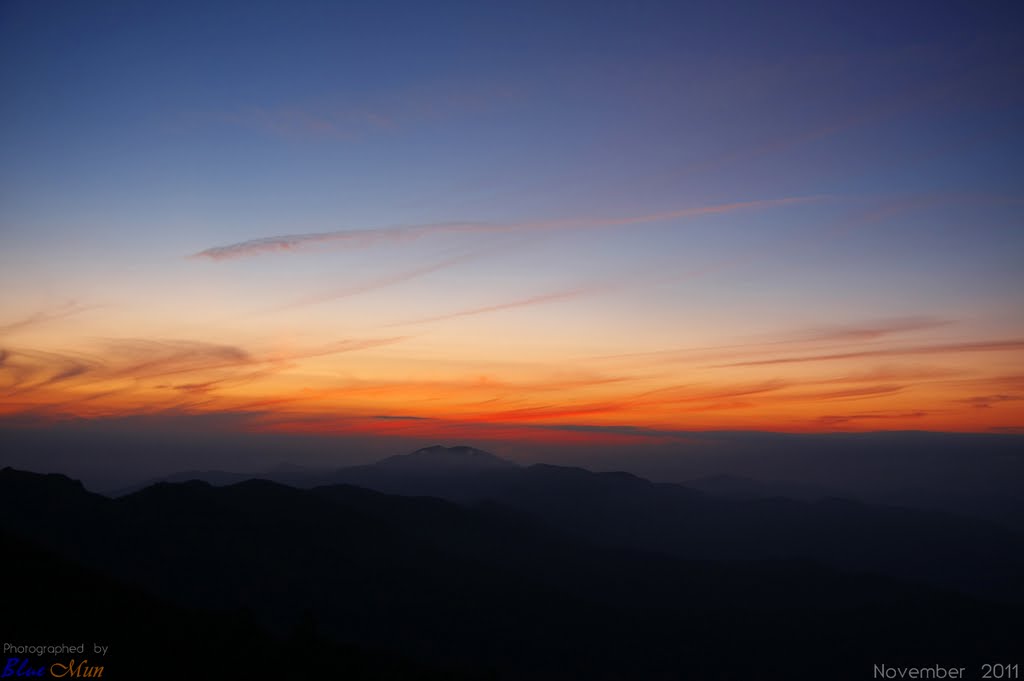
{"x":127,"y":368}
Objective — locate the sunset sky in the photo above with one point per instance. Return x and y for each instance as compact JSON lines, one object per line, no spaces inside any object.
{"x":529,"y":222}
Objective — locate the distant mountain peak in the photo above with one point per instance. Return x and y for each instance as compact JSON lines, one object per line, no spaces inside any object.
{"x":457,"y":449}
{"x":439,"y":457}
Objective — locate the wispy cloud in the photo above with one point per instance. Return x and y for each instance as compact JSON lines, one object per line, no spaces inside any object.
{"x":804,"y":339}
{"x":393,"y":417}
{"x":986,"y":401}
{"x":388,"y":280}
{"x":874,"y":330}
{"x":636,"y":280}
{"x":475,"y":387}
{"x":982,"y":346}
{"x":144,"y":358}
{"x":32,"y":369}
{"x":43,"y":316}
{"x":522,"y":302}
{"x":680,"y":394}
{"x":354,"y":238}
{"x":361,"y":238}
{"x":140,"y":360}
{"x":869,"y":391}
{"x":912,"y":373}
{"x":349,"y":345}
{"x":841,"y":419}
{"x":552,"y":411}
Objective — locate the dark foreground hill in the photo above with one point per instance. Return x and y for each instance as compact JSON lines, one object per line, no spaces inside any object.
{"x":48,"y":600}
{"x":481,"y":591}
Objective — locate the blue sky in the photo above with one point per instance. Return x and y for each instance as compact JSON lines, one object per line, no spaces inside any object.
{"x":481,"y":194}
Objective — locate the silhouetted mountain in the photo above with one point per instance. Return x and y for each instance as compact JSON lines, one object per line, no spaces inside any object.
{"x":48,"y":599}
{"x":448,"y":466}
{"x":446,"y":472}
{"x":438,"y":458}
{"x":1005,"y":509}
{"x":486,"y":588}
{"x":213,"y":477}
{"x":741,"y":488}
{"x":620,"y":510}
{"x":625,"y":511}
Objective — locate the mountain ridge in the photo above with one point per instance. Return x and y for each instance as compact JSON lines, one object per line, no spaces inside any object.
{"x":446,"y":583}
{"x":458,"y":457}
{"x":622,"y":510}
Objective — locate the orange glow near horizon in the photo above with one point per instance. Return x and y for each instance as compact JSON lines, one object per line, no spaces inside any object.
{"x":858,"y":380}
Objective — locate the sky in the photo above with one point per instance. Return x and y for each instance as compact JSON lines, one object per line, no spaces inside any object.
{"x":532,"y":223}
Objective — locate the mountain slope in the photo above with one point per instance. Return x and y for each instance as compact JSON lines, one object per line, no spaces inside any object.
{"x":485,"y":588}
{"x":626,"y":511}
{"x":147,"y":637}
